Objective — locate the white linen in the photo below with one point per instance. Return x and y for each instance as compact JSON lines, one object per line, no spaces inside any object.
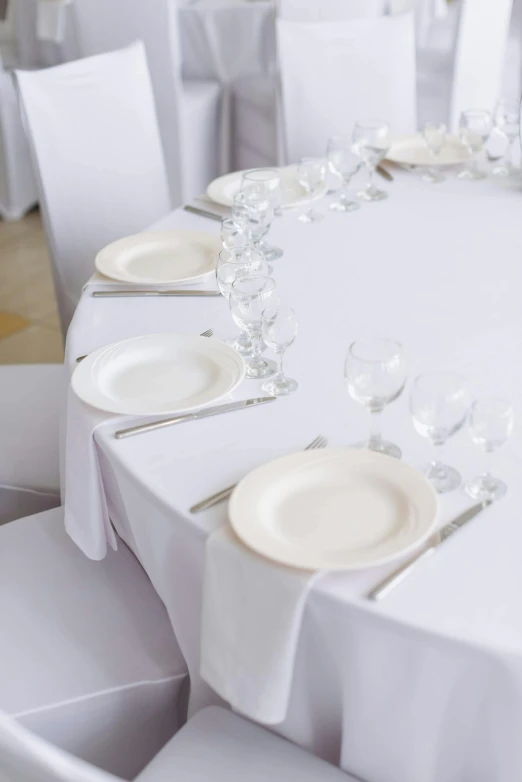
{"x":251,"y":620}
{"x":89,"y":660}
{"x":313,"y":54}
{"x":51,"y":20}
{"x":17,"y":182}
{"x":388,"y":687}
{"x":101,"y":170}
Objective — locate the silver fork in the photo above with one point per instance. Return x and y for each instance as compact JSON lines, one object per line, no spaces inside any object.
{"x":207,"y":333}
{"x":318,"y":442}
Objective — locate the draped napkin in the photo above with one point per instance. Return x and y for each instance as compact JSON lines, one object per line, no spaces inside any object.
{"x":251,"y":620}
{"x":51,"y":20}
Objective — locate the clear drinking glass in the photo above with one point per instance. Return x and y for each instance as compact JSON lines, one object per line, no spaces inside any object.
{"x":311,"y":175}
{"x":249,"y":297}
{"x":507,"y":121}
{"x":439,"y":405}
{"x":491,"y":424}
{"x":265,"y":182}
{"x":372,"y":142}
{"x":344,"y":162}
{"x":434,"y":134}
{"x":255,"y":213}
{"x":241,"y":261}
{"x":375,"y":373}
{"x":279,"y":326}
{"x":474,"y":129}
{"x":233,"y":234}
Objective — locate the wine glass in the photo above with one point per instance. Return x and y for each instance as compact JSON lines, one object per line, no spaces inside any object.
{"x":311,"y":175}
{"x":279,"y":326}
{"x":344,"y":162}
{"x":255,"y":213}
{"x":249,"y":297}
{"x":241,"y":261}
{"x":491,"y":424}
{"x":474,"y":130}
{"x":264,"y":182}
{"x":507,"y":121}
{"x":233,"y":233}
{"x":439,"y":405}
{"x":372,"y":142}
{"x":375,"y":373}
{"x":434,"y":134}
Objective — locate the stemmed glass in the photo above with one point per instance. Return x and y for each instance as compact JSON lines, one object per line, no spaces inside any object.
{"x":375,"y":373}
{"x":344,"y":162}
{"x":506,"y":120}
{"x":491,"y":424}
{"x":434,"y":134}
{"x":474,"y":130}
{"x":372,"y":141}
{"x":241,"y":261}
{"x":249,"y":297}
{"x":264,"y":182}
{"x":233,"y":234}
{"x":311,"y":175}
{"x":439,"y":405}
{"x":279,"y":326}
{"x":255,"y":213}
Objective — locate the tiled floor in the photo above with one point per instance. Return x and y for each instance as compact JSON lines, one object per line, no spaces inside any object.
{"x":29,"y":326}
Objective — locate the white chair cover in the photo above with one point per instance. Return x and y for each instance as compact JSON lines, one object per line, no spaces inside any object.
{"x":105,"y":25}
{"x":214,"y":746}
{"x":89,"y":659}
{"x":17,"y":182}
{"x":31,"y":397}
{"x":330,"y":10}
{"x":335,"y":73}
{"x":95,"y":141}
{"x":479,"y":57}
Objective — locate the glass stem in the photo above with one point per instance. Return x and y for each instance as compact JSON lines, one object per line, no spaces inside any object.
{"x":488,"y":472}
{"x":438,"y":461}
{"x":280,"y":355}
{"x":375,"y":426}
{"x":371,"y":182}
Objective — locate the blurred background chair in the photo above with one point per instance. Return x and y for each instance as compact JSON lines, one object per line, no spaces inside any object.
{"x":97,"y":152}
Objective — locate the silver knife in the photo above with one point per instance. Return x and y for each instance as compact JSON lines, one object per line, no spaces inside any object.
{"x":130,"y":293}
{"x":203,"y":212}
{"x":384,"y":173}
{"x":399,"y":575}
{"x":205,"y":413}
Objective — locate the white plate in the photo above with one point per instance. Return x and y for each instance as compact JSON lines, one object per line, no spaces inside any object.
{"x":334,"y":509}
{"x":158,"y":373}
{"x":160,"y":257}
{"x":412,"y":151}
{"x":225,"y":188}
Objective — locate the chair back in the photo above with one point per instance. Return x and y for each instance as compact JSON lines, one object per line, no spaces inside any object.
{"x":25,"y":757}
{"x":479,"y":57}
{"x":329,"y":10}
{"x":97,"y":151}
{"x":335,"y":73}
{"x":104,"y":25}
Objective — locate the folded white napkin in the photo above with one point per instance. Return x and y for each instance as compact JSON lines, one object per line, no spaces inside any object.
{"x":51,"y":20}
{"x":86,"y":515}
{"x":251,"y":619}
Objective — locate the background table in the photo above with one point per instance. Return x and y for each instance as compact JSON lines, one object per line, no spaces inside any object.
{"x":428,"y":684}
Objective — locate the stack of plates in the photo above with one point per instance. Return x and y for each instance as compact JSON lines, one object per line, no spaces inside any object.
{"x":158,"y":374}
{"x":334,"y":509}
{"x":161,"y":257}
{"x":225,"y":188}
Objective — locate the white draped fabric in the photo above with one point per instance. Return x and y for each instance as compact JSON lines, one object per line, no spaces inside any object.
{"x":334,"y":73}
{"x":427,"y":684}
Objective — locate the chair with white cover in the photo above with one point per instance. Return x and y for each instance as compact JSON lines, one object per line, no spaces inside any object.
{"x":214,"y":745}
{"x":335,"y":71}
{"x":89,"y":659}
{"x":188,"y":110}
{"x":31,"y":397}
{"x":94,"y":136}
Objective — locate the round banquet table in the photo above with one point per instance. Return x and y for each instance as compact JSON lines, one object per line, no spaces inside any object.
{"x":427,"y":684}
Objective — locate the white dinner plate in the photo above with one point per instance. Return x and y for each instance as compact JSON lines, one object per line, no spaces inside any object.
{"x":412,"y":151}
{"x":334,"y":509}
{"x":160,"y":257}
{"x":225,"y":188}
{"x":158,"y":373}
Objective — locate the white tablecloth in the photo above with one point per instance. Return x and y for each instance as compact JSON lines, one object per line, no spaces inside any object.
{"x":426,"y":685}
